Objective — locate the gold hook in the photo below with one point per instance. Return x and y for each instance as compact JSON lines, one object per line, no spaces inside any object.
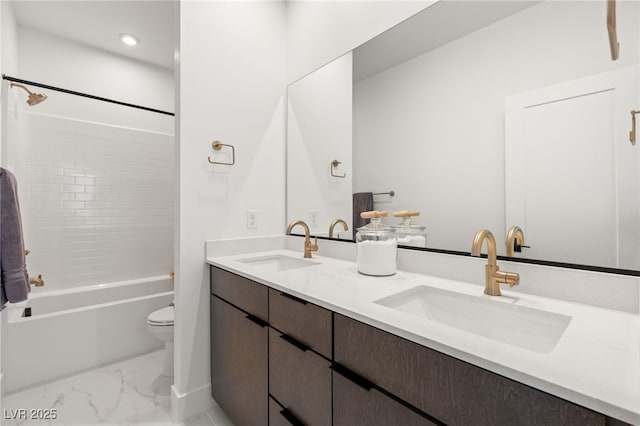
{"x":614,"y":46}
{"x":632,"y":133}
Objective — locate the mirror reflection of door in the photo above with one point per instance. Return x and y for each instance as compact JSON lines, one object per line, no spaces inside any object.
{"x":571,"y":172}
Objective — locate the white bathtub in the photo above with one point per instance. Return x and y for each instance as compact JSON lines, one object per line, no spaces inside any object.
{"x":70,"y":331}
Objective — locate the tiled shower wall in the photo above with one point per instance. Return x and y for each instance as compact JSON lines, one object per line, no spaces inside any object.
{"x":97,"y":200}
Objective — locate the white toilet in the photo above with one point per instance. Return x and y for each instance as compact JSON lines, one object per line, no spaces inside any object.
{"x":160,"y":324}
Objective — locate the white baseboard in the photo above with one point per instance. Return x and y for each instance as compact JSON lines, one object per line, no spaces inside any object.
{"x":190,"y":404}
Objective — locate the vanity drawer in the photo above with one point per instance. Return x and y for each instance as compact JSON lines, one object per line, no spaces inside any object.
{"x":241,"y":292}
{"x":354,"y":405}
{"x":308,"y":323}
{"x":452,"y":391}
{"x":300,"y":380}
{"x":279,"y":416}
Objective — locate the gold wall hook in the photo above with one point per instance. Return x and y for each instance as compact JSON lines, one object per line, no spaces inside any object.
{"x":335,"y":164}
{"x":614,"y":46}
{"x":217,"y":145}
{"x":632,"y":133}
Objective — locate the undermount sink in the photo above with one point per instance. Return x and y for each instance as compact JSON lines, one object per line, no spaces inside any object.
{"x":278,"y":262}
{"x":528,"y":328}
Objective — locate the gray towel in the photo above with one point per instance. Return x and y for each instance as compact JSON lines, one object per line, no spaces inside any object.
{"x":362,"y":202}
{"x":14,"y":280}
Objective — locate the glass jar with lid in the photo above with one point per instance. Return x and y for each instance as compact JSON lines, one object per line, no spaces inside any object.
{"x":376,"y":246}
{"x":409,"y":232}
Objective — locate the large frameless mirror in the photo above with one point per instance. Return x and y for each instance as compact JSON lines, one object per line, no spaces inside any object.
{"x":480,"y":114}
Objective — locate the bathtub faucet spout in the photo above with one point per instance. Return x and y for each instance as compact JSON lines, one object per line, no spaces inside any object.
{"x":38,"y":282}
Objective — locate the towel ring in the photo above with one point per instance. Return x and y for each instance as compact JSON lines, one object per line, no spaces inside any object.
{"x":335,"y":164}
{"x":217,"y":145}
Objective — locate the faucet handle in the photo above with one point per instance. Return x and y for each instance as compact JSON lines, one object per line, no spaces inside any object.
{"x":313,"y":246}
{"x":309,"y":247}
{"x":511,"y":278}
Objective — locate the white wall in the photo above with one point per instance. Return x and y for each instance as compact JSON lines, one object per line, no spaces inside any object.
{"x":232,"y":85}
{"x":320,"y":31}
{"x":71,"y":65}
{"x":319,"y":132}
{"x":444,"y":112}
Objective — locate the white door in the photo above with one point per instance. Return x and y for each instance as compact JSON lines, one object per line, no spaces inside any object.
{"x":571,"y":172}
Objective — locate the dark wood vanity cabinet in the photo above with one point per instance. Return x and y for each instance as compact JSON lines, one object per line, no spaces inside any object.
{"x":452,"y":391}
{"x":239,"y":348}
{"x":279,"y":360}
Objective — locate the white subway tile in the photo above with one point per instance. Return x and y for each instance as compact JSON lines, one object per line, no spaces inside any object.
{"x":100,"y":203}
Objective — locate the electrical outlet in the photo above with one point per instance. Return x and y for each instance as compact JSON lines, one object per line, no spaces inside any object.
{"x":313,"y":217}
{"x":252,"y":219}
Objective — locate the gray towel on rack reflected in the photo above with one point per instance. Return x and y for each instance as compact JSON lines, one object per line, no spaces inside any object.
{"x":14,"y":280}
{"x":362,"y":202}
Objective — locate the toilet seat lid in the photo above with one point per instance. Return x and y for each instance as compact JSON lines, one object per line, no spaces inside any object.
{"x":162,"y":316}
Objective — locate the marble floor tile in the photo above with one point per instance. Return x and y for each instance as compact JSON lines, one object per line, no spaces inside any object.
{"x":126,"y":393}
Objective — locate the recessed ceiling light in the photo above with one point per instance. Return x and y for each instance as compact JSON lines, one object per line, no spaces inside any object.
{"x":129,"y":40}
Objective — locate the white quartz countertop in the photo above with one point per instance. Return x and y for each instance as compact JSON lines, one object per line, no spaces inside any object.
{"x":596,"y":362}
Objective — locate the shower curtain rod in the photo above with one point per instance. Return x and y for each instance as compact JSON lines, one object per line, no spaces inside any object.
{"x":84,"y":95}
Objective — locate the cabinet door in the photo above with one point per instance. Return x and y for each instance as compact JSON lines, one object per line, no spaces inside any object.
{"x":355,"y":405}
{"x":239,"y":362}
{"x":299,"y":379}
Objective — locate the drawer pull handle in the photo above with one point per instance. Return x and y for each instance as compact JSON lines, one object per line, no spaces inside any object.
{"x":288,"y":415}
{"x":295,"y":299}
{"x":257,"y":320}
{"x":352,"y":377}
{"x":294,"y":342}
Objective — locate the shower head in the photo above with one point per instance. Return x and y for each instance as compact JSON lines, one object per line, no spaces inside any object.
{"x":34,"y":98}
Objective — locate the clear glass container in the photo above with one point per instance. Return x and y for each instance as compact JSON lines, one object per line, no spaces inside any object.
{"x":410,"y":233}
{"x":376,"y":247}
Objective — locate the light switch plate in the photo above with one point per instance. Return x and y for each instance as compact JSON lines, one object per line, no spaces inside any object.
{"x":252,"y":219}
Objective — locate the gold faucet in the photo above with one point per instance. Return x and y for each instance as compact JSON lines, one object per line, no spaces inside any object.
{"x":308,"y":246}
{"x":493,"y":275}
{"x":38,"y":282}
{"x":333,"y":225}
{"x":514,"y":234}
